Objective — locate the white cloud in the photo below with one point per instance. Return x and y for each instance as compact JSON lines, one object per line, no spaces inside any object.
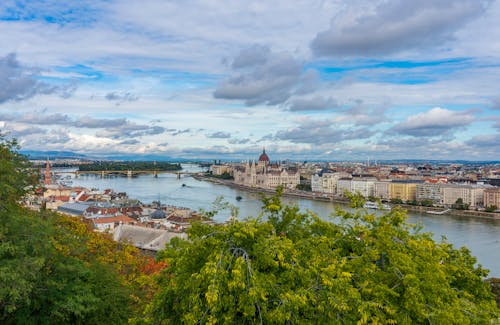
{"x":435,"y":122}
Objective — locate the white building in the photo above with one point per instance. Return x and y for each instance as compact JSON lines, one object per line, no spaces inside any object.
{"x":343,"y":185}
{"x":326,"y":183}
{"x":382,"y":189}
{"x":471,"y":195}
{"x":364,"y":187}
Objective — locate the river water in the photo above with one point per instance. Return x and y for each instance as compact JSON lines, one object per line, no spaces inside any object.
{"x":481,"y":236}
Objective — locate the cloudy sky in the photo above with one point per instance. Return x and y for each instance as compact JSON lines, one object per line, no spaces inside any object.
{"x":329,"y":80}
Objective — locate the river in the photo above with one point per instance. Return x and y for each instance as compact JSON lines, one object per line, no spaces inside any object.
{"x":481,"y":236}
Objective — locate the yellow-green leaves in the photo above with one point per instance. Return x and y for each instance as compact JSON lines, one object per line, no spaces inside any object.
{"x":295,"y":268}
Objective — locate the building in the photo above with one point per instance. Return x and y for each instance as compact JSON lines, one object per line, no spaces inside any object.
{"x":145,"y":238}
{"x":75,"y":209}
{"x":343,"y":185}
{"x":324,"y":183}
{"x":363,"y":187}
{"x":492,"y":197}
{"x":382,"y":189}
{"x":473,"y":196}
{"x":266,"y":175}
{"x":430,"y":191}
{"x":109,"y":222}
{"x":405,"y":190}
{"x":220,"y":169}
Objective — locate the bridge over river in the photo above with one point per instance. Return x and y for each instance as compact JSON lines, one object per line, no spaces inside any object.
{"x":128,"y":173}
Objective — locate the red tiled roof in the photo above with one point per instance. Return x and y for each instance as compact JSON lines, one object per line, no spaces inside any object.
{"x":123,"y":219}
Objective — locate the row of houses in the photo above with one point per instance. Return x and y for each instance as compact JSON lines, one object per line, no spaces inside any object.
{"x":440,"y":194}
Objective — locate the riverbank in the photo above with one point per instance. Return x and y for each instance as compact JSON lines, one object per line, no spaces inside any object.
{"x":330,"y":198}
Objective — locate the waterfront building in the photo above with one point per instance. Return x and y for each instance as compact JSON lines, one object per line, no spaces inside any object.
{"x":382,"y":189}
{"x":363,"y":186}
{"x":324,"y":183}
{"x":220,"y":169}
{"x":430,"y":191}
{"x":343,"y":185}
{"x":405,"y":190}
{"x":470,"y":195}
{"x":266,"y":175}
{"x":492,"y":197}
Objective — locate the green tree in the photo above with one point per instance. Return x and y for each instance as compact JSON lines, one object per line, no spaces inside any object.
{"x":287,"y":266}
{"x":491,"y":208}
{"x":17,"y":176}
{"x":460,"y":205}
{"x":396,"y":201}
{"x":357,"y":199}
{"x":53,"y":270}
{"x":426,"y":203}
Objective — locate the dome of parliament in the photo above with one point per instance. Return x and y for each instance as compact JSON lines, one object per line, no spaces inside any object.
{"x":263,"y":156}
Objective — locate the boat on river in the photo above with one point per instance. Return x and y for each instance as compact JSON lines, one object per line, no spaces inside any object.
{"x":438,"y":212}
{"x":375,"y":205}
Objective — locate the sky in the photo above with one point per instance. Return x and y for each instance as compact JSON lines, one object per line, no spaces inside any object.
{"x":306,"y":80}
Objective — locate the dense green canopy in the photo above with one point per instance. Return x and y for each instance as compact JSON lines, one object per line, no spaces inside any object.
{"x":16,"y":174}
{"x":292,"y":267}
{"x":53,"y":269}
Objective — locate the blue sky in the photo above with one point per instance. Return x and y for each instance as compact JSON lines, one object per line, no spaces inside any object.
{"x":330,"y":80}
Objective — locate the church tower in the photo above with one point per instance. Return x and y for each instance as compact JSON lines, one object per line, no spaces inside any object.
{"x":47,"y":179}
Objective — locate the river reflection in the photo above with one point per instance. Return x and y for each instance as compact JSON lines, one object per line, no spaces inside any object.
{"x":481,"y":236}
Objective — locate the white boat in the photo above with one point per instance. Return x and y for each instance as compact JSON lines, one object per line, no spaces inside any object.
{"x":375,"y":205}
{"x":438,"y":212}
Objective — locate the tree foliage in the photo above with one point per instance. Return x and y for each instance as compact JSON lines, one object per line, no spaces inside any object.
{"x":287,"y":266}
{"x":55,"y":270}
{"x":16,"y":173}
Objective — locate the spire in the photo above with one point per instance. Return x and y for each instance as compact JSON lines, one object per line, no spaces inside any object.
{"x":47,"y":180}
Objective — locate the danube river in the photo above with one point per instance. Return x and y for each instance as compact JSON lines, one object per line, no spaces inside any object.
{"x":481,"y":236}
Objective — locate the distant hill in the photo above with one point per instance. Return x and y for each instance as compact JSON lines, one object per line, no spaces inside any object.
{"x":40,"y":155}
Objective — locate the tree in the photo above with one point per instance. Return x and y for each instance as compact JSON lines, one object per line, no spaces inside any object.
{"x":396,"y":201}
{"x":426,"y":203}
{"x":460,"y":205}
{"x":17,"y":176}
{"x":287,"y":266}
{"x":53,"y":269}
{"x":357,"y":199}
{"x":491,"y":208}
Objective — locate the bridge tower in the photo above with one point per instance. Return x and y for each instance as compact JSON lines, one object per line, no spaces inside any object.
{"x":129,"y":173}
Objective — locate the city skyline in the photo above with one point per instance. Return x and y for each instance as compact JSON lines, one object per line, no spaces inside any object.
{"x":319,"y":80}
